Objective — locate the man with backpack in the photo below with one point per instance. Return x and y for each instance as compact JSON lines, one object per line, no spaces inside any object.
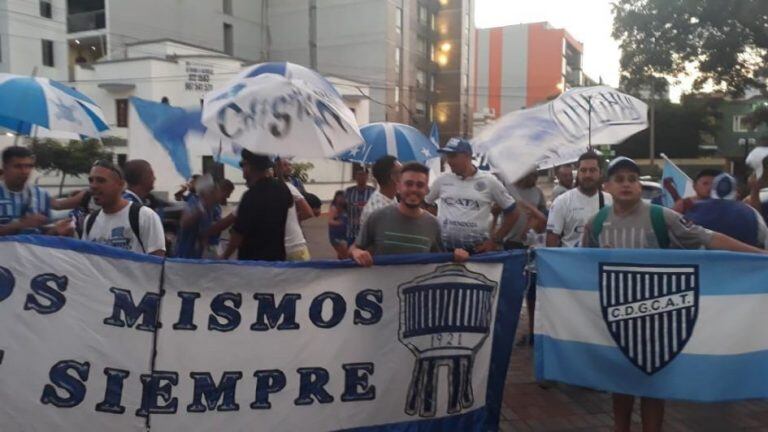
{"x":120,"y":223}
{"x":631,"y":223}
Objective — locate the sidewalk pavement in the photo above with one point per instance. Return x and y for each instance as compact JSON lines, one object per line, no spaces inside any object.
{"x":527,"y":406}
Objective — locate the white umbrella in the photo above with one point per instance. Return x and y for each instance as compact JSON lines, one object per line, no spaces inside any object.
{"x":517,"y":142}
{"x":279,"y":115}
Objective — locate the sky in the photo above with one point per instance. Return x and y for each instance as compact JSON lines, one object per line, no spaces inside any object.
{"x":589,"y":21}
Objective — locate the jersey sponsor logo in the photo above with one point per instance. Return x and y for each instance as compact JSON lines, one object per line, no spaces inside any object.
{"x":118,"y":239}
{"x":464,"y":203}
{"x":650,"y":310}
{"x":481,"y":186}
{"x":445,"y":317}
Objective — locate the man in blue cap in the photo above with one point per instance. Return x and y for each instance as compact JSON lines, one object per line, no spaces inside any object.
{"x":631,"y":223}
{"x":725,"y":214}
{"x":464,"y":198}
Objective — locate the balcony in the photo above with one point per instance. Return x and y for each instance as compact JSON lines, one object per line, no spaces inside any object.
{"x":86,"y":21}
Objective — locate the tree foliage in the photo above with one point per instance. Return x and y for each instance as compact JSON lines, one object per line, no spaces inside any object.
{"x":301,"y":170}
{"x":74,"y":158}
{"x":725,"y":41}
{"x":680,"y":129}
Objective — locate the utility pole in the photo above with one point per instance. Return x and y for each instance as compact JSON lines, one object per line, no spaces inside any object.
{"x":589,"y":127}
{"x":313,"y":34}
{"x":652,"y":143}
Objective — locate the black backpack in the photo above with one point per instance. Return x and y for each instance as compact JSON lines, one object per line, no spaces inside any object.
{"x":133,"y":219}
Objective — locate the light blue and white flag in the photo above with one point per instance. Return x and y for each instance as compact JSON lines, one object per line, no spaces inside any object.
{"x":680,"y":180}
{"x":174,"y":140}
{"x":686,"y":325}
{"x":434,"y":164}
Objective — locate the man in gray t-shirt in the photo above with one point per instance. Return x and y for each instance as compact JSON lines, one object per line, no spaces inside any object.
{"x":387,"y":231}
{"x":631,"y":223}
{"x":403,"y":228}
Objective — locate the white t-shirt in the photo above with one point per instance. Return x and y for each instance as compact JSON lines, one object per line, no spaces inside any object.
{"x":294,"y":237}
{"x":464,"y":206}
{"x":570,"y":211}
{"x":115,"y":230}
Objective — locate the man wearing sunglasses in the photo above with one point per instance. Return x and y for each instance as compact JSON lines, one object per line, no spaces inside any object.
{"x":120,"y":223}
{"x":631,"y":223}
{"x":404,"y":228}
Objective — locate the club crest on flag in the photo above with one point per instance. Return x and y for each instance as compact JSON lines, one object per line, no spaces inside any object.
{"x":650,"y":310}
{"x":445,"y":317}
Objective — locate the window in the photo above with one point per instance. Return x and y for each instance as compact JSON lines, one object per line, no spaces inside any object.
{"x":229,"y":42}
{"x":227,"y":7}
{"x":215,"y":169}
{"x":431,"y":82}
{"x":398,"y":20}
{"x":48,"y":53}
{"x":397,"y":98}
{"x":397,"y":61}
{"x":421,"y":79}
{"x":432,"y":20}
{"x":121,"y":112}
{"x":46,"y":10}
{"x":422,"y":45}
{"x":421,"y":109}
{"x":432,"y":51}
{"x":740,"y":124}
{"x":423,"y":15}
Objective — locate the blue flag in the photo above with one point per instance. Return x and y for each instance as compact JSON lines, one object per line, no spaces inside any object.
{"x":682,"y":183}
{"x":434,"y":135}
{"x":666,"y":324}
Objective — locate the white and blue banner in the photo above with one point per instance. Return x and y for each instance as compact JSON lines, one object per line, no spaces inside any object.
{"x":685,"y":325}
{"x":98,"y":339}
{"x":579,"y":118}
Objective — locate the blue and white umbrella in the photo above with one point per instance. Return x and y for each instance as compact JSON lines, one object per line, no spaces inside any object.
{"x":404,"y":142}
{"x":31,"y":103}
{"x":282,"y":109}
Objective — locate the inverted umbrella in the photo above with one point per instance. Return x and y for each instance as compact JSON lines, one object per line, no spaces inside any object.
{"x":578,"y":118}
{"x":281,"y":115}
{"x":28,"y":103}
{"x":404,"y":142}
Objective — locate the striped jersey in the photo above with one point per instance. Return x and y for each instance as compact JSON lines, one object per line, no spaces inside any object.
{"x":30,"y":200}
{"x":356,"y":199}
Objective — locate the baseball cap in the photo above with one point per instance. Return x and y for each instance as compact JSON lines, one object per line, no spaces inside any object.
{"x":723,"y":187}
{"x":622,"y":162}
{"x":456,"y":145}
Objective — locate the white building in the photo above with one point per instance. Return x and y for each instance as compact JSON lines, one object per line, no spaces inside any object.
{"x":182,"y":74}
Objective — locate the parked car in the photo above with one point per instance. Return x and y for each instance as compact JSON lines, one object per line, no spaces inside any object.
{"x":652,"y":192}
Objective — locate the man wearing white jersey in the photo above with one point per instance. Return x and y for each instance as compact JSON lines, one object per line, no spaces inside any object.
{"x":571,"y":210}
{"x":464,"y":198}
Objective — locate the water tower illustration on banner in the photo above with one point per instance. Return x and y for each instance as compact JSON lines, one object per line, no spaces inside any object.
{"x":445,"y":317}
